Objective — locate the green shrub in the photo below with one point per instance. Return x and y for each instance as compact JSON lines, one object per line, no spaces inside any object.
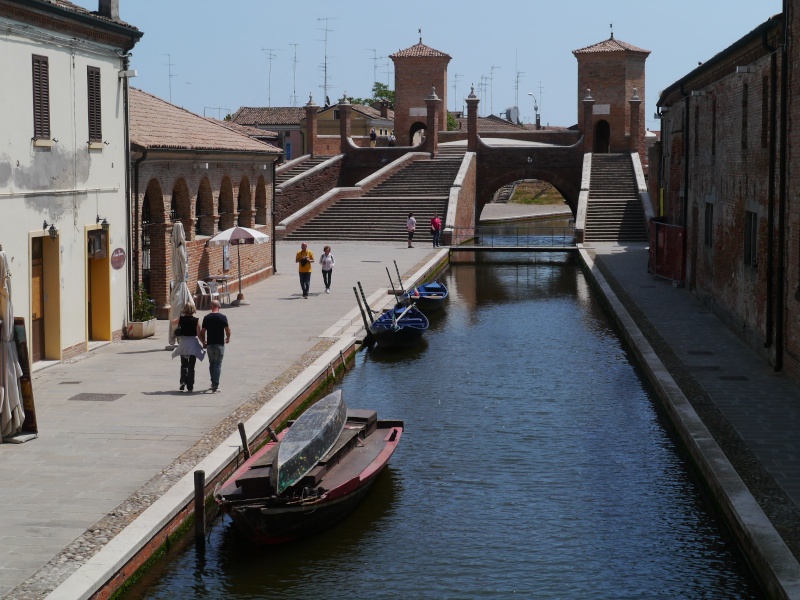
{"x":144,"y":307}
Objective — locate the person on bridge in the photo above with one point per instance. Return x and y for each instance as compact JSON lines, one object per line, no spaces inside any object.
{"x":436,"y":229}
{"x":411,"y":224}
{"x":373,"y":138}
{"x":304,"y":258}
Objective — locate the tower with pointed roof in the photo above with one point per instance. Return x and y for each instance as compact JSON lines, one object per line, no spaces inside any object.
{"x":610,"y":75}
{"x":417,"y":70}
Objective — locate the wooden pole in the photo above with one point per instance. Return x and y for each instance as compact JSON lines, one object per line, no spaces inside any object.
{"x":199,"y":508}
{"x":245,"y":446}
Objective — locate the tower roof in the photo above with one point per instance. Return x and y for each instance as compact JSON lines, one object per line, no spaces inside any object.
{"x":610,"y":45}
{"x":419,"y":50}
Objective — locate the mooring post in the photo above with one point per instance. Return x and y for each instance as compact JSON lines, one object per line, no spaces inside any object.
{"x":245,"y":447}
{"x":199,"y":508}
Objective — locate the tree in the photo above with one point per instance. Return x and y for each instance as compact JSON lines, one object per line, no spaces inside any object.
{"x":452,"y":122}
{"x":380,"y":91}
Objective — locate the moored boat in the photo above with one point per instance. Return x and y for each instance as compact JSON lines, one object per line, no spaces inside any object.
{"x":399,"y":327}
{"x":337,"y":480}
{"x":428,"y":296}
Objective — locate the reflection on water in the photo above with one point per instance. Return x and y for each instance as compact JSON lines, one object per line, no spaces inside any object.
{"x":533,"y":463}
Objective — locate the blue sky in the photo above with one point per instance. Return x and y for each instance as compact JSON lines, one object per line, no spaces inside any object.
{"x":218,"y":52}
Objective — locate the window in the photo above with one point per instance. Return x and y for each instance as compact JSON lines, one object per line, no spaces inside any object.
{"x":709,"y":225}
{"x":337,"y":114}
{"x":41,"y":98}
{"x":93,"y":95}
{"x":750,"y":239}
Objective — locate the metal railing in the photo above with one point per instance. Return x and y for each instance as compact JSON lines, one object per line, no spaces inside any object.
{"x":518,"y":237}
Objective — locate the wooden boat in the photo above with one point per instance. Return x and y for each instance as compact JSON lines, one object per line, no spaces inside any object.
{"x":399,"y":327}
{"x":327,"y":492}
{"x":428,"y":296}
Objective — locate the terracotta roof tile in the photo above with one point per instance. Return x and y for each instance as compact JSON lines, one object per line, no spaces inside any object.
{"x":66,"y":5}
{"x":491,"y":124}
{"x":253,"y":132}
{"x":155,"y":123}
{"x":610,"y":45}
{"x":367,"y":111}
{"x":269,"y":115}
{"x":419,"y":51}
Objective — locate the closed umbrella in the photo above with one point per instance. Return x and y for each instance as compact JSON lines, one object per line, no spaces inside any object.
{"x":236,"y":236}
{"x":12,"y":414}
{"x":181,"y":295}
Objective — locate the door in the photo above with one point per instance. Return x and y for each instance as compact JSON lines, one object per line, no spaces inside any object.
{"x":37,"y":300}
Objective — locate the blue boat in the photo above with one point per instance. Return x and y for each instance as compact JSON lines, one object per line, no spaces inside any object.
{"x":427,"y":296}
{"x":399,"y":327}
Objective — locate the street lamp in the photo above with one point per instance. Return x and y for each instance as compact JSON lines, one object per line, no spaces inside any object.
{"x":535,"y":109}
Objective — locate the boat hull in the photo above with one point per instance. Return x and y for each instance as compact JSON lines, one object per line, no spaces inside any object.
{"x":428,"y":297}
{"x":403,"y":332}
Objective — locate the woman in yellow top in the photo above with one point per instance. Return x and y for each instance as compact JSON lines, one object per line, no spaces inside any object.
{"x":304,"y":258}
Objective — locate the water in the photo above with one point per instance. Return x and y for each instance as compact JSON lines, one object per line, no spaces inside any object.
{"x":534,"y":463}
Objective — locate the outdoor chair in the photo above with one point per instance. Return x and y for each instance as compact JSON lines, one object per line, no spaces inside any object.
{"x":220,"y":291}
{"x":206,"y":295}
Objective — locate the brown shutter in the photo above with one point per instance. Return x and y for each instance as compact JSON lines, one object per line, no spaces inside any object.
{"x":93,"y":88}
{"x":41,"y":98}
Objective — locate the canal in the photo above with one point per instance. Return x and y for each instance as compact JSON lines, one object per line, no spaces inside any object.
{"x":534,"y":462}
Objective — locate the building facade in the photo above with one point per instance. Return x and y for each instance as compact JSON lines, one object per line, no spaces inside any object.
{"x":63,"y":171}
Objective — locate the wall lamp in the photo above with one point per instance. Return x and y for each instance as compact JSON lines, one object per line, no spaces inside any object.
{"x":50,"y":228}
{"x":103,"y":222}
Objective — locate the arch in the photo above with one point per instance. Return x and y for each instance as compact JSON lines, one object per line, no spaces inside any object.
{"x":227,"y":209}
{"x":261,"y":201}
{"x":602,"y":137}
{"x":182,"y":205}
{"x":204,"y":220}
{"x":416,"y":132}
{"x":154,"y":242}
{"x":245,"y":204}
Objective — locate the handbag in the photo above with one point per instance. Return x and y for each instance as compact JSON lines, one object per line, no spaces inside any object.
{"x":178,"y":332}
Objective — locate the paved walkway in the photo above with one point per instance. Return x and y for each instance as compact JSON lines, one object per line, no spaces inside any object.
{"x":94,"y":452}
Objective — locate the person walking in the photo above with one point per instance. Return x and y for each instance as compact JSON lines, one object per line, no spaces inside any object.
{"x":373,"y":138}
{"x":214,"y":334}
{"x":305,"y":259}
{"x":411,"y":224}
{"x":392,"y":139}
{"x":327,"y":261}
{"x":436,"y":229}
{"x":189,"y":347}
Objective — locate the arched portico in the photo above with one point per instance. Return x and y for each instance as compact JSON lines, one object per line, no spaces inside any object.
{"x":416,"y":132}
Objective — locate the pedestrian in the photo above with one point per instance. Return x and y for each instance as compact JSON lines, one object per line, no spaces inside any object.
{"x":411,"y":224}
{"x":373,"y":138}
{"x":214,"y":334}
{"x":305,"y":259}
{"x":327,"y":261}
{"x":189,"y":347}
{"x":436,"y":229}
{"x":392,"y":139}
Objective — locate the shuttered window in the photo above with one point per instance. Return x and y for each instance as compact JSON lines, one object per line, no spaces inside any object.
{"x":41,"y":98}
{"x":95,"y":122}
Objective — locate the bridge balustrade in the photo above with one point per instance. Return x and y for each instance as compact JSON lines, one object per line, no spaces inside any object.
{"x":521,"y":238}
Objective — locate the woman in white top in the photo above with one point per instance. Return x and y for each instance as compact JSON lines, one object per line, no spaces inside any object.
{"x":411,"y":224}
{"x":327,"y":261}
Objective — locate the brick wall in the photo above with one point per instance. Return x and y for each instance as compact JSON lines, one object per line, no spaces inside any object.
{"x":791,"y":358}
{"x":413,"y":80}
{"x":290,"y":199}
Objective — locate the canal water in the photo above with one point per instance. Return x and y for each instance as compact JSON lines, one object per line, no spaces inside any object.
{"x":534,"y":463}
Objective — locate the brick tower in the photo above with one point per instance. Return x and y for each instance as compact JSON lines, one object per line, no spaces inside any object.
{"x":417,"y":70}
{"x":610,"y":74}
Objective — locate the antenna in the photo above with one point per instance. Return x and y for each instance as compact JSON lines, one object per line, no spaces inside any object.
{"x":294,"y":75}
{"x":455,"y":89}
{"x":611,"y":26}
{"x":482,"y":88}
{"x":270,"y":55}
{"x":171,"y":75}
{"x":375,"y":59}
{"x":516,"y":87}
{"x":491,"y":87}
{"x":325,"y":62}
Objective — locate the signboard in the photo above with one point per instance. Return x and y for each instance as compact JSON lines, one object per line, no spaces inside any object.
{"x":601,"y":109}
{"x":418,"y":112}
{"x":118,"y":259}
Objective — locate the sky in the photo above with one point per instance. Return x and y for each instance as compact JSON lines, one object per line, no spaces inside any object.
{"x":212,"y":57}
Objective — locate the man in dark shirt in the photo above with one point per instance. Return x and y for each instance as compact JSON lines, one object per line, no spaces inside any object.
{"x":214,"y":335}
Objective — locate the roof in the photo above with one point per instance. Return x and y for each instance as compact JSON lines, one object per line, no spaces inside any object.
{"x":155,"y":123}
{"x":610,"y":45}
{"x":419,"y":51}
{"x":367,"y":111}
{"x":269,"y":115}
{"x":491,"y":124}
{"x":65,"y":5}
{"x":253,"y":132}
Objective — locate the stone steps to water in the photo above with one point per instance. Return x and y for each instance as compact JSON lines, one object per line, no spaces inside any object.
{"x":298,"y":169}
{"x":614,"y":211}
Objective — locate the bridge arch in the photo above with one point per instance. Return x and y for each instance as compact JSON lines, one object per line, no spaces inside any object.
{"x":415,"y":132}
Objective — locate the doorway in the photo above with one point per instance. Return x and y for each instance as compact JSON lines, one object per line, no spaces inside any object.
{"x":45,"y":323}
{"x":98,"y":286}
{"x":602,"y":137}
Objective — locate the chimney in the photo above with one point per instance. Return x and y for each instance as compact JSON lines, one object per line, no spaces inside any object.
{"x":385,"y":109}
{"x":108,"y":9}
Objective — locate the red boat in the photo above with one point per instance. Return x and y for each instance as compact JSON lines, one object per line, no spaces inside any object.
{"x":342,"y":463}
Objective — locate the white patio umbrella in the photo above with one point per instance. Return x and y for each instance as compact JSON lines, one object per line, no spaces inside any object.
{"x":236,"y":236}
{"x":180,"y":295}
{"x":12,"y":414}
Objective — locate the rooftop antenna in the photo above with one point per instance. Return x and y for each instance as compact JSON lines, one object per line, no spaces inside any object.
{"x":388,"y":71}
{"x":516,"y":88}
{"x":611,"y":26}
{"x":294,"y":75}
{"x":375,"y":59}
{"x":420,"y":34}
{"x":491,"y":87}
{"x":455,"y":89}
{"x":482,"y":87}
{"x":270,"y":55}
{"x":171,"y":75}
{"x":325,"y":62}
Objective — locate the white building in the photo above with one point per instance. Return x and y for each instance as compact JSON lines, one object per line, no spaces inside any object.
{"x":64,"y":191}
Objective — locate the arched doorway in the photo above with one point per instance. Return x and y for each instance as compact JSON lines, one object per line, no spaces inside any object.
{"x":417,"y":133}
{"x":602,"y":137}
{"x":245,"y":204}
{"x":154,"y":243}
{"x":227,"y":210}
{"x":261,"y":202}
{"x":204,"y":219}
{"x":182,"y":206}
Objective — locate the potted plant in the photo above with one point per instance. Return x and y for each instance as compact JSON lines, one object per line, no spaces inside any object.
{"x":143,"y":320}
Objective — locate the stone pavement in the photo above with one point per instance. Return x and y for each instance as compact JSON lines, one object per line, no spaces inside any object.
{"x":115,"y":432}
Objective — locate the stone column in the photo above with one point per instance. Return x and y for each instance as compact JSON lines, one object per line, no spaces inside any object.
{"x":588,"y":122}
{"x":635,"y":134}
{"x":344,"y":125}
{"x":311,"y":126}
{"x":432,"y":103}
{"x":472,"y":121}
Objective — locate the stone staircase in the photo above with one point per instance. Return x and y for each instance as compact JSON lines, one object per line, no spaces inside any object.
{"x":422,"y":187}
{"x":504,"y":194}
{"x":614,"y":212}
{"x":297,"y":169}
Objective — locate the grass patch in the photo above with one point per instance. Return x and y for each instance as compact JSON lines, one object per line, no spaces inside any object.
{"x":536,"y":192}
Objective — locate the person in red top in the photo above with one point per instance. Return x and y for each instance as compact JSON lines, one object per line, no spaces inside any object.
{"x":436,"y":229}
